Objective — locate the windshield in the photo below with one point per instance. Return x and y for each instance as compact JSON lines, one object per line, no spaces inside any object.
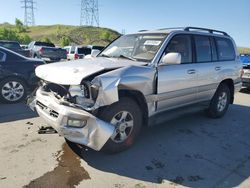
{"x":141,"y":47}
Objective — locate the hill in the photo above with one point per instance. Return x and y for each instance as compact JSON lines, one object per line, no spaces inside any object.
{"x":244,"y":50}
{"x":59,"y":34}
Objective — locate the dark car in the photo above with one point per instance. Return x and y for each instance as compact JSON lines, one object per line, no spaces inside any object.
{"x":46,"y":51}
{"x":14,"y":46}
{"x":17,"y":75}
{"x":245,"y":60}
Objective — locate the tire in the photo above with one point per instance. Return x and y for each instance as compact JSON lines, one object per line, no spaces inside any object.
{"x":127,"y":118}
{"x":220,"y":102}
{"x":12,"y":90}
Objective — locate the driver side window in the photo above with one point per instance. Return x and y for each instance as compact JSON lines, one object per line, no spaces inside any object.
{"x":181,"y":44}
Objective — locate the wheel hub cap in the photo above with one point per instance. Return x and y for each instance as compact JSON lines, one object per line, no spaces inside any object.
{"x":123,"y":122}
{"x":222,"y":102}
{"x":12,"y":91}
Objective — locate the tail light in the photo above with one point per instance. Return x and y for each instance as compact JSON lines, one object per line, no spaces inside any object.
{"x":76,"y":56}
{"x":41,"y":51}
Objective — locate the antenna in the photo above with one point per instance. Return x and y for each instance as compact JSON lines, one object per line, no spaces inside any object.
{"x":89,"y":13}
{"x":29,"y":17}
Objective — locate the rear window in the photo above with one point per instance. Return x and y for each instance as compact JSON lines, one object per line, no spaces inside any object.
{"x":84,"y":51}
{"x":225,"y":49}
{"x":203,"y":49}
{"x":44,"y":44}
{"x":10,"y":45}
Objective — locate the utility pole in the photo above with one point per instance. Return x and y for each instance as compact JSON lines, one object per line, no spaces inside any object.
{"x":89,"y":13}
{"x":29,"y":17}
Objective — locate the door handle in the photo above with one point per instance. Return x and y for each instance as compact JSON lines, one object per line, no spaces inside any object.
{"x":191,"y":71}
{"x":217,"y":68}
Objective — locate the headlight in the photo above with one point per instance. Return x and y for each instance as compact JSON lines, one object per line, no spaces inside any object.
{"x":76,"y":91}
{"x":76,"y":123}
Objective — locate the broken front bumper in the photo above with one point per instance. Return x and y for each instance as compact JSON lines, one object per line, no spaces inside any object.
{"x":94,"y":133}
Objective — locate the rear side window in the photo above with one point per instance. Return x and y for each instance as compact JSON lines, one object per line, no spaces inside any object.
{"x":203,"y":49}
{"x":225,"y":49}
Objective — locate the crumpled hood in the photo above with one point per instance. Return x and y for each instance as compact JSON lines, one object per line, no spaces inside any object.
{"x":72,"y":72}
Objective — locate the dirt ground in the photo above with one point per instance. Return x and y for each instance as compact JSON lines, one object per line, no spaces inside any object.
{"x":191,"y":151}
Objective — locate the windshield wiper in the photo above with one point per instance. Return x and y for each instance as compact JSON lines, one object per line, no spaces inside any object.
{"x":126,"y":57}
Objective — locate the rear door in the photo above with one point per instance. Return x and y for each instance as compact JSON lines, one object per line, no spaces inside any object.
{"x":206,"y":57}
{"x":177,"y":84}
{"x":215,"y":59}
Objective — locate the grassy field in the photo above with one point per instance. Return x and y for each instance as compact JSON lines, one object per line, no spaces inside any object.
{"x":80,"y":35}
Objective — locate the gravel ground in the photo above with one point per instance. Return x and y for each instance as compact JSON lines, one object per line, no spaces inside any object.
{"x":191,"y":151}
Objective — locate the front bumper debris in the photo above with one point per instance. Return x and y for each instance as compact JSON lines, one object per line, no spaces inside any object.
{"x":94,"y":134}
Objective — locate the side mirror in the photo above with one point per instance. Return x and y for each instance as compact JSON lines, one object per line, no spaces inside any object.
{"x":171,"y":58}
{"x":95,"y":52}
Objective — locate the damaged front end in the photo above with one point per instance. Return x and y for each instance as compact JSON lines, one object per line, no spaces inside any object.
{"x":70,"y":110}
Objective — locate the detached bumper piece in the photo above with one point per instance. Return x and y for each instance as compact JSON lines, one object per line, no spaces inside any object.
{"x":74,"y":124}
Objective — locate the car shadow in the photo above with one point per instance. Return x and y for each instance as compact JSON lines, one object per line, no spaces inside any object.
{"x":14,"y":112}
{"x":192,"y":150}
{"x":245,"y":90}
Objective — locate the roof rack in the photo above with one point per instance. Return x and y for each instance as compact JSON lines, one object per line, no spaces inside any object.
{"x":171,"y":28}
{"x":205,"y":29}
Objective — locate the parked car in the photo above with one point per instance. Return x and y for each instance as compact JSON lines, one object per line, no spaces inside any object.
{"x":17,"y":75}
{"x":77,"y":52}
{"x":46,"y":51}
{"x":245,"y":60}
{"x":24,"y":46}
{"x":103,"y":102}
{"x":14,"y":46}
{"x":100,"y":48}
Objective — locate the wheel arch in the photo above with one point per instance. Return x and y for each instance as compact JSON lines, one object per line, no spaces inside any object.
{"x":230,"y":84}
{"x":17,"y":77}
{"x":139,"y":98}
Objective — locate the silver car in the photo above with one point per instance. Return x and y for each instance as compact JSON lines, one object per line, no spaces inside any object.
{"x":102,"y":102}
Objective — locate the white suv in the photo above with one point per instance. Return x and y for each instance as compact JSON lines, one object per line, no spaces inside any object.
{"x":77,"y":52}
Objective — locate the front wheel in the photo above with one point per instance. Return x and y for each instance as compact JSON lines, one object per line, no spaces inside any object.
{"x":126,"y":116}
{"x":220,"y":102}
{"x":12,"y":90}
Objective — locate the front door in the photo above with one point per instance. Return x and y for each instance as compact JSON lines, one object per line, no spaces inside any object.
{"x":177,"y":84}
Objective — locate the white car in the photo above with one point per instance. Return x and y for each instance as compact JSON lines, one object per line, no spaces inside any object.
{"x":76,"y":52}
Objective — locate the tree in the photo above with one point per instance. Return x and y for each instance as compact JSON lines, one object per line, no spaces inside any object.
{"x":105,"y":35}
{"x":64,"y":41}
{"x":8,"y":34}
{"x":19,"y":26}
{"x":46,"y":39}
{"x":24,"y":39}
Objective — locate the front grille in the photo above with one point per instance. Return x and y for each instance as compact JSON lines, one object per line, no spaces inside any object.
{"x":47,"y":110}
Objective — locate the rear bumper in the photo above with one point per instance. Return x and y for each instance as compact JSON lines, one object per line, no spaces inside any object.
{"x":94,"y":134}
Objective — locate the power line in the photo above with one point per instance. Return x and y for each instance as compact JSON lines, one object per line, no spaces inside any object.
{"x":29,"y":16}
{"x":89,"y":13}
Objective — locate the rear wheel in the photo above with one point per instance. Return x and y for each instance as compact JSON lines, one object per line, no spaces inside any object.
{"x":12,"y":90}
{"x":126,"y":116}
{"x":220,"y":102}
